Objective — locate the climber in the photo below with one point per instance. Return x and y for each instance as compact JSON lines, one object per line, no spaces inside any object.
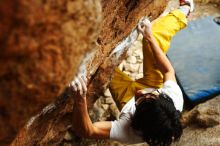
{"x":151,"y":105}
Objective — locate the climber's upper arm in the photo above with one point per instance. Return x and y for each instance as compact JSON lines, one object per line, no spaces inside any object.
{"x":83,"y":125}
{"x":101,"y":130}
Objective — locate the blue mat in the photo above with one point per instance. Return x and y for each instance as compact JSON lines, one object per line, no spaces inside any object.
{"x":195,"y":56}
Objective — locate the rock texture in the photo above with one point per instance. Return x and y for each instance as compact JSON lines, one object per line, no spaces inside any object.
{"x":203,"y":125}
{"x":42,"y":44}
{"x":208,"y":1}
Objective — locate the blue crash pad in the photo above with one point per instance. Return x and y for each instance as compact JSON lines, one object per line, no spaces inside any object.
{"x":195,"y":56}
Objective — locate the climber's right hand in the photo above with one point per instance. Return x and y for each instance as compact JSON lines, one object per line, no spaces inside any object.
{"x":145,"y":28}
{"x":79,"y":86}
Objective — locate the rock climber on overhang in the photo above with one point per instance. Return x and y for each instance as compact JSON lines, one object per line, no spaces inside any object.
{"x":151,"y":106}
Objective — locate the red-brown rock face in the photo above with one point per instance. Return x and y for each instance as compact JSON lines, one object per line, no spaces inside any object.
{"x":42,"y":43}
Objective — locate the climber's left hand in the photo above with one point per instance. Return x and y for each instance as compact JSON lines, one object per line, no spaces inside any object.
{"x":145,"y":28}
{"x":79,"y":86}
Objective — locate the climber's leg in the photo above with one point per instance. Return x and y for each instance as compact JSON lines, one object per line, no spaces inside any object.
{"x":123,"y":88}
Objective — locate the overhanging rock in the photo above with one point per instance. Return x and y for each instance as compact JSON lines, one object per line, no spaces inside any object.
{"x":119,"y":19}
{"x":42,"y":43}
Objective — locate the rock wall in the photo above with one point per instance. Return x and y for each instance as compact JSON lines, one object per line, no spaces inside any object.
{"x":208,"y":1}
{"x":43,"y":43}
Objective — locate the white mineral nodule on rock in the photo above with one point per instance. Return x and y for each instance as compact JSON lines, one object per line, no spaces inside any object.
{"x":130,"y":52}
{"x":109,"y":100}
{"x":141,"y":55}
{"x":138,"y":53}
{"x":138,"y":76}
{"x":131,"y":59}
{"x":139,"y":60}
{"x":141,"y":68}
{"x":107,"y":93}
{"x":68,"y":136}
{"x":132,"y":67}
{"x":136,"y":43}
{"x":133,"y":76}
{"x":105,"y":106}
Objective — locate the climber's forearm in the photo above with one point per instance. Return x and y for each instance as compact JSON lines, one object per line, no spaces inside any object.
{"x":81,"y":121}
{"x":162,"y":61}
{"x":83,"y":125}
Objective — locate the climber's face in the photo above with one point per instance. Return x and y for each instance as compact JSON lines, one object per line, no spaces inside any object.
{"x":146,"y":94}
{"x":142,"y":95}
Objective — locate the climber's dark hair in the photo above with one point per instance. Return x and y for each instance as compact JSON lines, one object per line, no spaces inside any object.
{"x":158,"y":121}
